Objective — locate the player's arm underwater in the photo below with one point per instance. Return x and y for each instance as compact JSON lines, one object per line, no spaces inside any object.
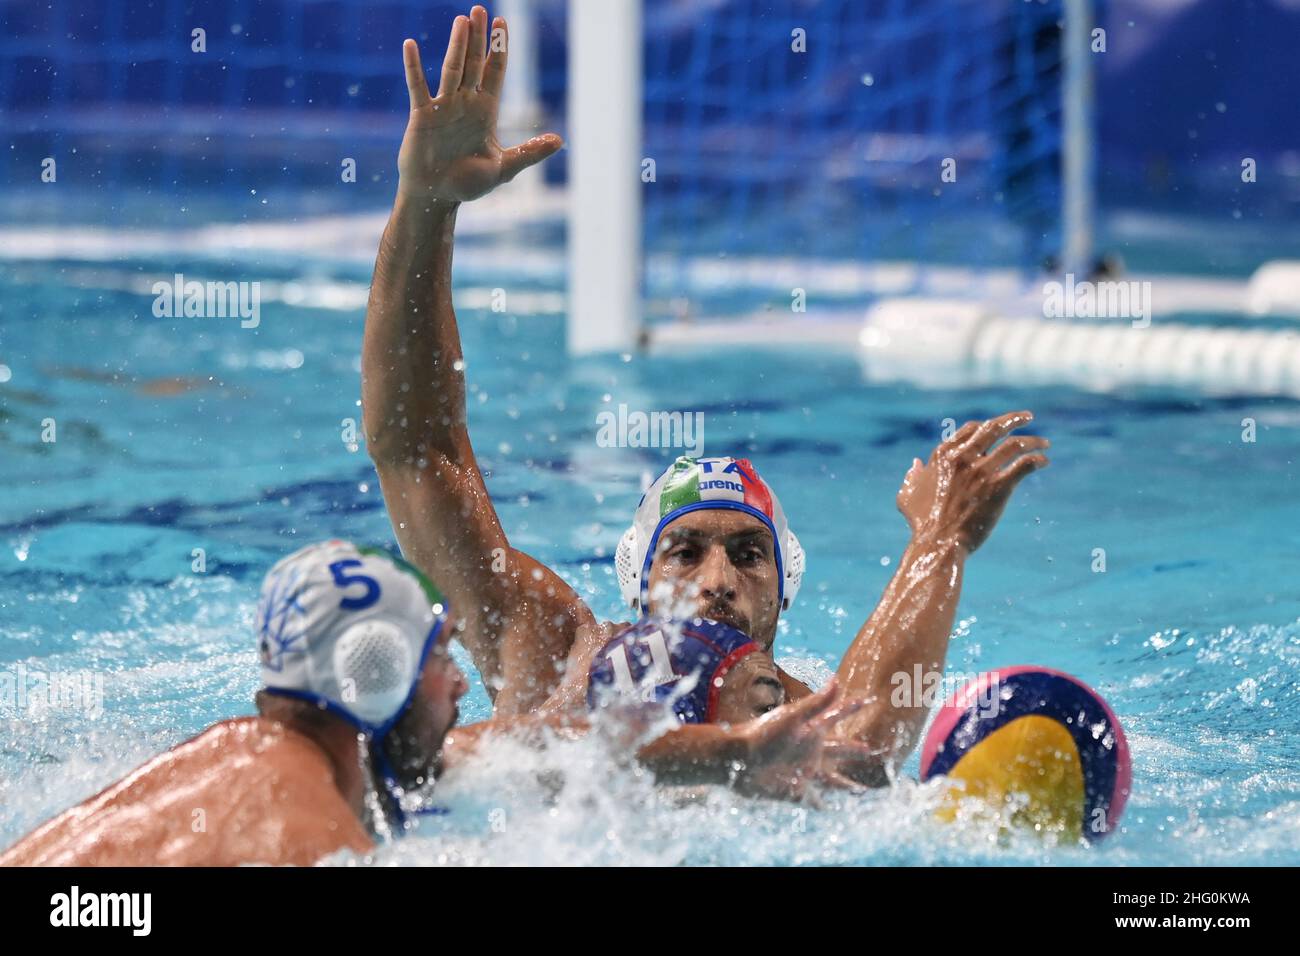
{"x":520,"y":616}
{"x":952,"y":503}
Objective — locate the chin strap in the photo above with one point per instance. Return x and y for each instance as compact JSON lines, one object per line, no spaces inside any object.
{"x":390,"y":788}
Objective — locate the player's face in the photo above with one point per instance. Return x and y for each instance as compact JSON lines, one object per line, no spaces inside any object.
{"x":719,"y":564}
{"x":750,"y":689}
{"x":415,"y":744}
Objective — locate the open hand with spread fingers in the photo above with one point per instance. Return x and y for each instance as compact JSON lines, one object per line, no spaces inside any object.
{"x":788,"y":750}
{"x":450,"y":151}
{"x":960,"y":492}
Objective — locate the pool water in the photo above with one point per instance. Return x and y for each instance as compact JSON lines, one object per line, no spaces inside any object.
{"x":180,"y":440}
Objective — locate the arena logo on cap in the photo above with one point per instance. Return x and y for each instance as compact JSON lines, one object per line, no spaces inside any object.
{"x":722,"y":485}
{"x":637,"y":429}
{"x":741,"y":483}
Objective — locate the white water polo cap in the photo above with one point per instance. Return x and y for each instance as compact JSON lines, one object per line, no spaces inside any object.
{"x":348,"y":629}
{"x":693,"y":484}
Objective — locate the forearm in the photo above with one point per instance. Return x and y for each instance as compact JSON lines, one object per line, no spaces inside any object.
{"x":412,"y":373}
{"x":463,"y":742}
{"x":694,"y":754}
{"x":906,"y":637}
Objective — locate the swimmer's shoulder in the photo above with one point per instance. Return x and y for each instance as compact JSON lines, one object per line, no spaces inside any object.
{"x":288,"y":809}
{"x":244,"y":790}
{"x":115,"y":826}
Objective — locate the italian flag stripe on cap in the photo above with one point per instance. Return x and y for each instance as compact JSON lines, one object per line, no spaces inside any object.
{"x":682,"y":487}
{"x":714,"y":479}
{"x":756,"y":493}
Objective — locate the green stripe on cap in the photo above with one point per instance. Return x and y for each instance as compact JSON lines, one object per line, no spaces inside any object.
{"x":430,"y":589}
{"x":682,"y":487}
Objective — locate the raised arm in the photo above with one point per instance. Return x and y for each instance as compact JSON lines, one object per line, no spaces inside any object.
{"x":518,"y":614}
{"x":951,"y":503}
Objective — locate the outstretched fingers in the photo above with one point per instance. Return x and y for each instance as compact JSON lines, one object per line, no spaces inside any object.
{"x":477,"y":51}
{"x":1012,"y":475}
{"x":818,"y":702}
{"x":417,"y":87}
{"x":834,"y":780}
{"x":841,"y":711}
{"x":844,"y":749}
{"x":494,"y":72}
{"x":1013,"y":447}
{"x":453,"y":64}
{"x":992,"y":431}
{"x":518,"y":158}
{"x":955,"y":440}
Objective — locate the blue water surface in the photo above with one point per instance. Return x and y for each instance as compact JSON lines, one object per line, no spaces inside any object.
{"x":180,"y":434}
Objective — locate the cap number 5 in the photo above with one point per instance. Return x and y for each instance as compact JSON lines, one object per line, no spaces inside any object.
{"x":344,"y":580}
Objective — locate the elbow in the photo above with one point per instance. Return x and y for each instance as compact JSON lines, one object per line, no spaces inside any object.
{"x":393,"y":444}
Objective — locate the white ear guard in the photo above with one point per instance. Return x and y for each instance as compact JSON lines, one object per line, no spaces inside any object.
{"x":375,"y":669}
{"x":628,"y":568}
{"x":794,"y":567}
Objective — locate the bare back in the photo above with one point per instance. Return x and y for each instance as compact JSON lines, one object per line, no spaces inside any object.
{"x":243,"y":791}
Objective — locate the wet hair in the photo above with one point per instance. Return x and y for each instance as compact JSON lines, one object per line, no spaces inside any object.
{"x":303,"y":712}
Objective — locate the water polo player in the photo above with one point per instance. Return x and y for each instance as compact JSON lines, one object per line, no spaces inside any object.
{"x":705,"y":671}
{"x":359,"y":693}
{"x":710,"y":539}
{"x":1022,"y":745}
{"x":355,"y":720}
{"x":710,"y":531}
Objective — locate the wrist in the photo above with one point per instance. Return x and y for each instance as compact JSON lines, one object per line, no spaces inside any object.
{"x":740,"y":747}
{"x":938,"y":542}
{"x":739,"y":751}
{"x":420,"y":214}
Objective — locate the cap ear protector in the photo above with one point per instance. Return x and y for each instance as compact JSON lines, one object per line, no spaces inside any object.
{"x":692,"y":484}
{"x":376,"y":669}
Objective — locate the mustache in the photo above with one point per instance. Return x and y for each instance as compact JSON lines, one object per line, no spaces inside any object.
{"x":726,"y":613}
